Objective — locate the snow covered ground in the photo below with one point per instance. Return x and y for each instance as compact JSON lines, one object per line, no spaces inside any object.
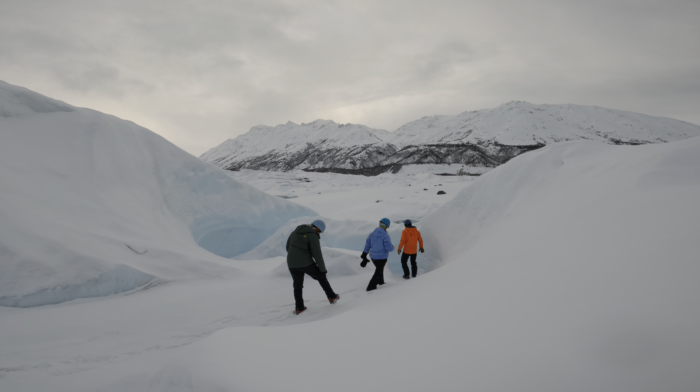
{"x":570,"y":268}
{"x":96,"y":343}
{"x":353,"y":205}
{"x":397,"y":197}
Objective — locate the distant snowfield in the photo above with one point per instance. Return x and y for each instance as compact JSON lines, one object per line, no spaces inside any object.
{"x":570,"y":268}
{"x":353,"y":205}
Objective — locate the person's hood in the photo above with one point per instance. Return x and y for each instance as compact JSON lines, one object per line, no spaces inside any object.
{"x":305,"y":229}
{"x":379,"y":229}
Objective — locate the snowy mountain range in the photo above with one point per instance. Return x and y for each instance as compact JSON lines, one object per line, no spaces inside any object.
{"x":483,"y":138}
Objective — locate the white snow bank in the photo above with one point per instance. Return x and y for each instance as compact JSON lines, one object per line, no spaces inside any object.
{"x":17,"y":101}
{"x":582,"y":191}
{"x":573,"y":268}
{"x":92,"y":205}
{"x":110,"y":280}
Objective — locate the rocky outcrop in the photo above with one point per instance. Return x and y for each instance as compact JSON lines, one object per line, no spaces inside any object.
{"x":317,"y":158}
{"x":469,"y":154}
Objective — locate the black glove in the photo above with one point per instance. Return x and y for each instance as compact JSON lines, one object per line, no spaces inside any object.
{"x":364,"y":262}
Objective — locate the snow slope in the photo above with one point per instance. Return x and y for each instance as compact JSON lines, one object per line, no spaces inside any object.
{"x":572,"y":268}
{"x":91,"y":205}
{"x":319,"y":144}
{"x":520,"y":123}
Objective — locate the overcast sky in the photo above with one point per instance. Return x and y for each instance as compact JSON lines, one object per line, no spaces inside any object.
{"x":200,"y":72}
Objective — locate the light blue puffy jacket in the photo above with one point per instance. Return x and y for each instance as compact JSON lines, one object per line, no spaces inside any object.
{"x":379,"y":243}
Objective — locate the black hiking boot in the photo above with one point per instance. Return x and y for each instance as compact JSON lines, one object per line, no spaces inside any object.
{"x":334,"y":299}
{"x":407,"y":277}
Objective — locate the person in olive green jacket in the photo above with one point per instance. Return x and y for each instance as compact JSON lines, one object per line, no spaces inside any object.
{"x":304,"y":257}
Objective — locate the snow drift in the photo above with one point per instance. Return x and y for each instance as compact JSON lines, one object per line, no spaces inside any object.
{"x":92,"y":205}
{"x":573,"y":268}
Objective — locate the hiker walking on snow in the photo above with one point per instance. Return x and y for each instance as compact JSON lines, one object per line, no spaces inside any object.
{"x":409,"y":237}
{"x":378,"y":245}
{"x":304,"y":257}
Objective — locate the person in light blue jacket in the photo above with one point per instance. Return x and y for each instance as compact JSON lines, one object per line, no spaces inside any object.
{"x":378,"y":245}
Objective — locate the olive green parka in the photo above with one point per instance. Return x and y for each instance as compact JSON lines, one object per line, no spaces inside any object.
{"x":304,"y":247}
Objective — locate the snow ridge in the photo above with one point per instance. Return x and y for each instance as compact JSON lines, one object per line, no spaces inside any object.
{"x":523,"y":123}
{"x":17,"y":101}
{"x":92,"y":205}
{"x":112,"y":281}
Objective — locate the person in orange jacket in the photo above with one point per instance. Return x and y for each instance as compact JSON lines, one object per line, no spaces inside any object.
{"x":409,"y":237}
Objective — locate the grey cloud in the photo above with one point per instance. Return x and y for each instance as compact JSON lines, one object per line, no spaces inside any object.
{"x":230,"y":65}
{"x":99,"y":78}
{"x":441,"y":61}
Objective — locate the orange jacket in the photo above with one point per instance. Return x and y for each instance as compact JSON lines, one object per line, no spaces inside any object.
{"x":409,"y":236}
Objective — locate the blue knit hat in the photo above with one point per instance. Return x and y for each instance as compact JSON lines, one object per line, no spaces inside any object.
{"x":386,"y":222}
{"x":319,"y":224}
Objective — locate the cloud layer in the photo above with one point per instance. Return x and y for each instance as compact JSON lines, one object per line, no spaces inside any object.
{"x":199,"y":72}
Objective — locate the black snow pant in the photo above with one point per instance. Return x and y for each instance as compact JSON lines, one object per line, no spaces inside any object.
{"x":315,"y":273}
{"x":404,"y":264}
{"x":378,"y":277}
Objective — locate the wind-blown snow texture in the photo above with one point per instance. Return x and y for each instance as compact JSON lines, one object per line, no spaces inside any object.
{"x":572,"y":268}
{"x":481,"y":139}
{"x":92,"y":205}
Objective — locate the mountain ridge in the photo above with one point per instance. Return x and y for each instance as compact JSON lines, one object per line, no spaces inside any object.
{"x":481,"y":138}
{"x":316,"y":145}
